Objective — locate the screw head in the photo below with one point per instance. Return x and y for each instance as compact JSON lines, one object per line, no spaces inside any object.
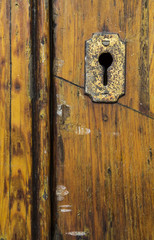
{"x":106,"y":42}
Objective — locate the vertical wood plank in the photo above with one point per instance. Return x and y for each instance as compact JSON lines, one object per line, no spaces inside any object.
{"x":42,"y":121}
{"x":4,"y":118}
{"x":132,"y":20}
{"x":151,"y":52}
{"x":103,"y":152}
{"x":21,"y":122}
{"x":24,"y":120}
{"x":103,"y":155}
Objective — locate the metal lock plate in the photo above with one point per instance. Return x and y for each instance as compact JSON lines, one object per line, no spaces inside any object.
{"x":105,"y":67}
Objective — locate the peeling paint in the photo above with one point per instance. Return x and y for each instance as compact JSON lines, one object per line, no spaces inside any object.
{"x":116,"y":133}
{"x":63,"y":111}
{"x":58,"y":64}
{"x":77,"y":234}
{"x":59,"y":110}
{"x":60,"y":99}
{"x":65,"y":210}
{"x":82,"y":130}
{"x":61,"y":192}
{"x":79,"y":130}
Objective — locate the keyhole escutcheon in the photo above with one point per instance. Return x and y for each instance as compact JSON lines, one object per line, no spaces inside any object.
{"x":105,"y":60}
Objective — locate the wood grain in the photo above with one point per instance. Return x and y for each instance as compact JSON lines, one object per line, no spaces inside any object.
{"x":4,"y":117}
{"x":75,"y":22}
{"x":103,"y":152}
{"x":41,"y":123}
{"x":21,"y":123}
{"x":24,"y":149}
{"x":151,"y":52}
{"x":103,"y":155}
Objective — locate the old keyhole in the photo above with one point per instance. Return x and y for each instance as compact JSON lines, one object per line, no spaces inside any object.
{"x":105,"y":60}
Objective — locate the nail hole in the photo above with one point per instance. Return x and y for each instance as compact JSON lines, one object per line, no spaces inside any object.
{"x":105,"y":60}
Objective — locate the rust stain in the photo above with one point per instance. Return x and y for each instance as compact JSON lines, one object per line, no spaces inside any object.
{"x":94,"y":72}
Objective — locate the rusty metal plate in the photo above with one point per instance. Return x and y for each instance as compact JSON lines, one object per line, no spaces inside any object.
{"x":105,"y":82}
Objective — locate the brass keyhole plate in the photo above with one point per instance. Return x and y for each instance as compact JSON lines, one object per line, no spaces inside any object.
{"x":94,"y":72}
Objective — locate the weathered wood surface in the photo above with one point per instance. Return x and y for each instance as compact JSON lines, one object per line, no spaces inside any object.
{"x":4,"y":118}
{"x":104,"y":170}
{"x":20,"y":122}
{"x":75,"y":21}
{"x":103,"y":152}
{"x":42,"y":123}
{"x":24,"y":120}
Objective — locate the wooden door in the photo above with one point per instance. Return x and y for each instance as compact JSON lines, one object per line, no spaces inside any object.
{"x":24,"y":120}
{"x":103,"y":152}
{"x":71,"y":168}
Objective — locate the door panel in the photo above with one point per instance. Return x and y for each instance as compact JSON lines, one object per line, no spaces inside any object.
{"x":24,"y":120}
{"x":103,"y":168}
{"x":75,"y":21}
{"x":103,"y":152}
